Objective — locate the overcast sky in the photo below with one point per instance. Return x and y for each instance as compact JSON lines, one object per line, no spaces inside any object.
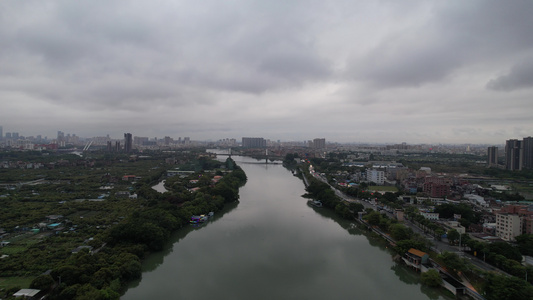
{"x":350,"y":71}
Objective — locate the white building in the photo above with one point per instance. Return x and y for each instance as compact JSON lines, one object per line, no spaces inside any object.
{"x":375,"y":176}
{"x":476,"y":200}
{"x":430,"y":215}
{"x":508,"y":226}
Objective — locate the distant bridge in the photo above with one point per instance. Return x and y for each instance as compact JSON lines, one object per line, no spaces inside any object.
{"x":265,"y":157}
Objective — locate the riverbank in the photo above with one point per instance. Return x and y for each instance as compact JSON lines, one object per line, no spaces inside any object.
{"x":317,"y":188}
{"x":105,"y":274}
{"x":274,"y":246}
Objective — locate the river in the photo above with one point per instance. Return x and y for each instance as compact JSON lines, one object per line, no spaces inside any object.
{"x":272,"y":245}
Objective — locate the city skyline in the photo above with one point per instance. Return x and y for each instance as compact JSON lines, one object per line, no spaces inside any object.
{"x":61,"y":136}
{"x":353,"y":72}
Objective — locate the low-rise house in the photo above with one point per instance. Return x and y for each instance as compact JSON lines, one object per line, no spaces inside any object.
{"x":53,"y":218}
{"x":79,"y":248}
{"x":454,"y":225}
{"x":417,"y":259}
{"x":27,"y":294}
{"x":122,"y":194}
{"x":129,"y":178}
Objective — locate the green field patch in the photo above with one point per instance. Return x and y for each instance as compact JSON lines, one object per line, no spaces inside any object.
{"x":383,"y":188}
{"x":12,"y":249}
{"x":10,"y":282}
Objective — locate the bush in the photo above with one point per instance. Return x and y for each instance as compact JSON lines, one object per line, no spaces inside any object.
{"x":431,"y":278}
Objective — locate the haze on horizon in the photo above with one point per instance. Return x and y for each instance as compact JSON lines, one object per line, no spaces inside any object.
{"x":350,"y":71}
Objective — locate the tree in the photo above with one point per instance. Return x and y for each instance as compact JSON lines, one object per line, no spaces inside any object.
{"x":356,"y":208}
{"x":399,"y":232}
{"x":42,"y":282}
{"x":438,"y":233}
{"x":452,"y":261}
{"x":453,"y":236}
{"x":525,"y":244}
{"x":499,"y":287}
{"x":431,"y":278}
{"x":507,"y":250}
{"x":229,"y":194}
{"x":343,"y":211}
{"x":404,"y":246}
{"x":373,"y":218}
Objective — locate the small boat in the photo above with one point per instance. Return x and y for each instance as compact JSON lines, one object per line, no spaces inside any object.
{"x":315,"y":203}
{"x":198,"y":219}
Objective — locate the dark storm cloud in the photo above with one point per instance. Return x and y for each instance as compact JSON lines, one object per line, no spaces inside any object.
{"x":520,"y":77}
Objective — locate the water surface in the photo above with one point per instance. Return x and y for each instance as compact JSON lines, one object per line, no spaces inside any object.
{"x":272,"y":245}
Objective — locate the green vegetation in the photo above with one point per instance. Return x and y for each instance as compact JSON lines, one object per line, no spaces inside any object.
{"x":339,"y":172}
{"x":289,"y":159}
{"x":322,"y":191}
{"x":525,"y":244}
{"x":468,"y":216}
{"x":116,"y":231}
{"x":499,"y":287}
{"x":431,"y":278}
{"x":383,"y":188}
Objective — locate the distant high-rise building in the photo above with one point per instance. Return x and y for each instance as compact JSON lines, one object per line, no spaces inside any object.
{"x":319,"y":143}
{"x":15,"y":135}
{"x":8,"y":135}
{"x":128,"y":142}
{"x":492,"y":156}
{"x":139,"y":140}
{"x":513,"y":155}
{"x":1,"y":133}
{"x":527,"y":146}
{"x":250,"y":142}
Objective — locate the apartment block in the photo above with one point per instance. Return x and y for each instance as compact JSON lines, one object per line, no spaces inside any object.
{"x":508,"y":226}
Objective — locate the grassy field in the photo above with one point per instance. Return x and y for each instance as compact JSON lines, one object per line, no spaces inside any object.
{"x":9,"y":282}
{"x":383,"y":188}
{"x":12,"y":249}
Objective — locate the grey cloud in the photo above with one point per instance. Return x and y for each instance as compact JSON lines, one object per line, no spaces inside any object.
{"x":387,"y":66}
{"x":519,"y":77}
{"x":214,"y":49}
{"x":453,"y":36}
{"x":260,"y":67}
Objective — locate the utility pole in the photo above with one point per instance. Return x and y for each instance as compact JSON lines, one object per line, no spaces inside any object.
{"x":460,"y":244}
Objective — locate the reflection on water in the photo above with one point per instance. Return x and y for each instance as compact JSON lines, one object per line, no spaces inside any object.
{"x":272,"y":245}
{"x":156,"y":259}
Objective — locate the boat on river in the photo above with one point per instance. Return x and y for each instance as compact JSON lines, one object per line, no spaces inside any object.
{"x":201,"y":218}
{"x":198,"y":219}
{"x":315,"y":203}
